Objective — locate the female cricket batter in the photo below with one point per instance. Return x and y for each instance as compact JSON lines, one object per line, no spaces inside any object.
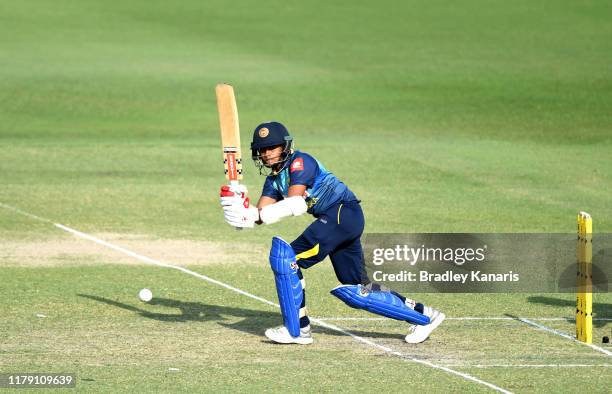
{"x":297,"y":183}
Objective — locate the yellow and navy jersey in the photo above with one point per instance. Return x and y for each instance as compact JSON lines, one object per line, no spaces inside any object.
{"x":323,"y":189}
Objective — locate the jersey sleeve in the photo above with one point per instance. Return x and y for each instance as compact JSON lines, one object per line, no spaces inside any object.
{"x":303,"y":171}
{"x":270,"y":191}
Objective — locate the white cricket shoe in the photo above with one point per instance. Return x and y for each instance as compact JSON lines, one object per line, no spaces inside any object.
{"x":281,"y":335}
{"x":418,"y":334}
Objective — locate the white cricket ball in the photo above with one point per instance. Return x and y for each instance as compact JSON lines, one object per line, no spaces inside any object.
{"x":145,"y":295}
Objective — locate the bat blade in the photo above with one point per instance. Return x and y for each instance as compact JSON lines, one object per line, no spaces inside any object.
{"x":230,"y":132}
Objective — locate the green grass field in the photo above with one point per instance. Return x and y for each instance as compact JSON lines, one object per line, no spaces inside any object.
{"x":441,"y":116}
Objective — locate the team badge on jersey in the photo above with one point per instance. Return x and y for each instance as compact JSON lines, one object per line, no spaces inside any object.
{"x":297,"y":165}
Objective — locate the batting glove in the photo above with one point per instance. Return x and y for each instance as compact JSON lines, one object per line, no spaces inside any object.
{"x":233,"y":195}
{"x":241,"y":216}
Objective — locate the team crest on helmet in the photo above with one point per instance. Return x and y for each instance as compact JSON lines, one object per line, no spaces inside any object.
{"x":263,"y":132}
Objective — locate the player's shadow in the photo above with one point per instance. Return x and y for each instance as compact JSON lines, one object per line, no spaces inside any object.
{"x":599,"y":308}
{"x":251,"y":321}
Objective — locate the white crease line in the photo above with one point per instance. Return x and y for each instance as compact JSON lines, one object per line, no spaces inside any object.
{"x":229,"y":287}
{"x":462,"y":318}
{"x":566,"y":318}
{"x":386,"y":319}
{"x":564,"y":335}
{"x":533,"y":366}
{"x":31,"y":216}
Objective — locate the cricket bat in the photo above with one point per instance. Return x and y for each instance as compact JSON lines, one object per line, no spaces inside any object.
{"x":230,"y":133}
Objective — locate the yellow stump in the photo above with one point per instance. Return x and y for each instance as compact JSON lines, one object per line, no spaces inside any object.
{"x":584,"y":303}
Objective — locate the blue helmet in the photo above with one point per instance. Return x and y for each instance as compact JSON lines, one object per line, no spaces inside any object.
{"x":267,"y":135}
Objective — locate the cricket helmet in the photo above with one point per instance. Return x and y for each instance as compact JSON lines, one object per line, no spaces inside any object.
{"x":267,"y":135}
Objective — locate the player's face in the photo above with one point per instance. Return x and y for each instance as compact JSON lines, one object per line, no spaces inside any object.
{"x":271,"y":155}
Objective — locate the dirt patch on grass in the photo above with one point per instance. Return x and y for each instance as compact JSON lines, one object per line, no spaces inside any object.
{"x":77,"y":251}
